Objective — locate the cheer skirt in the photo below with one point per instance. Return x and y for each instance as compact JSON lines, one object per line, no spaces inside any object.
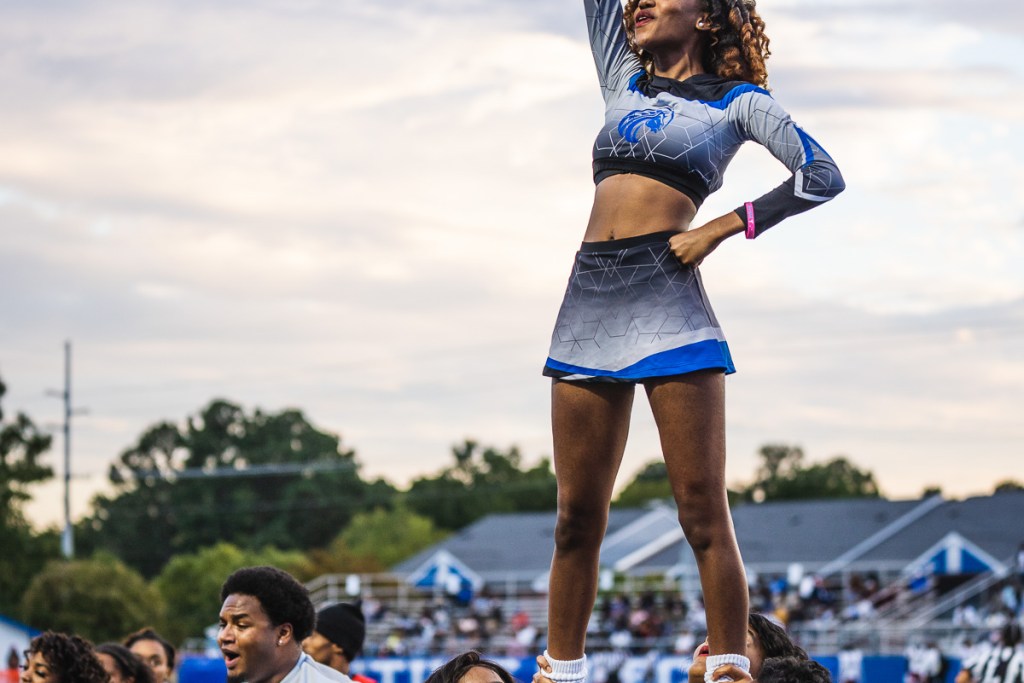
{"x":632,"y":311}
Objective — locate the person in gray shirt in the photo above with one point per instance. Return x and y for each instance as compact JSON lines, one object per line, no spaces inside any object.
{"x":264,"y":617}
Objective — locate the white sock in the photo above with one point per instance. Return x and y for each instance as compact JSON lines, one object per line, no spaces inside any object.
{"x":715,"y":661}
{"x":566,"y":670}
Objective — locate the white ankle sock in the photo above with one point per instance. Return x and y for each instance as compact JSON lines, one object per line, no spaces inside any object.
{"x":715,"y":661}
{"x":566,"y":670}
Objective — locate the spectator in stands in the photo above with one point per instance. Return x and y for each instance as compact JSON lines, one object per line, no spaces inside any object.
{"x":765,"y":639}
{"x":470,"y":667}
{"x":937,"y":665}
{"x":924,"y":663}
{"x":851,"y":661}
{"x":793,"y":670}
{"x":122,"y":665}
{"x":154,"y":651}
{"x":59,"y":658}
{"x":524,"y":634}
{"x":685,"y":642}
{"x":966,"y":615}
{"x":338,"y":638}
{"x":265,"y":616}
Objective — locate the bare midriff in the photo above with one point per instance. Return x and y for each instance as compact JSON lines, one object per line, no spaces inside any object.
{"x":627,"y":205}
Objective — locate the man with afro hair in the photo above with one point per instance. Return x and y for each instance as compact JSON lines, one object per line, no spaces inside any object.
{"x":264,"y":617}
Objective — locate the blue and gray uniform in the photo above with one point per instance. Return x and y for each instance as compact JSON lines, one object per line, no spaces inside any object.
{"x":685,"y":133}
{"x":631,"y":309}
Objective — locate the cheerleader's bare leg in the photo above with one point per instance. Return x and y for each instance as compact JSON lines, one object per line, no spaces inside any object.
{"x":590,"y":422}
{"x":690,"y":413}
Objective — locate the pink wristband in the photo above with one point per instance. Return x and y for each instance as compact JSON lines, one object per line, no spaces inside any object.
{"x":750,"y":220}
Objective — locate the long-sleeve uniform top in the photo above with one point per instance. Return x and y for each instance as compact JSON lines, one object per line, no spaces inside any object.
{"x":685,"y":133}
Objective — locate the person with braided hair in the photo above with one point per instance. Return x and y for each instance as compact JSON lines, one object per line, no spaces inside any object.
{"x":59,"y":658}
{"x":684,"y":84}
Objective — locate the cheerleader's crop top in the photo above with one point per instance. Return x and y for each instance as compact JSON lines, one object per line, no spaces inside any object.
{"x":685,"y":133}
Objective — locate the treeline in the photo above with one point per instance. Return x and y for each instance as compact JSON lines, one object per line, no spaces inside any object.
{"x":274,"y":480}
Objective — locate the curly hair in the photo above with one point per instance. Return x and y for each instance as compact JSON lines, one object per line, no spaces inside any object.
{"x":70,"y":658}
{"x":736,"y":46}
{"x":149,"y":634}
{"x":131,"y":667}
{"x":459,"y":666}
{"x":774,"y":640}
{"x":285,"y":600}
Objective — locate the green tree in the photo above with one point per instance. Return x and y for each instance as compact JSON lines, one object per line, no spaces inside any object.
{"x":190,"y":583}
{"x":482,"y":482}
{"x":24,"y":552}
{"x":782,"y":475}
{"x":1008,"y":486}
{"x":650,"y":483}
{"x":100,"y":599}
{"x":255,"y":480}
{"x":377,"y":540}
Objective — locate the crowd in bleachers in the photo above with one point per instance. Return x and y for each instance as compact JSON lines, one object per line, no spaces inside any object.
{"x":643,"y":620}
{"x":649,"y":620}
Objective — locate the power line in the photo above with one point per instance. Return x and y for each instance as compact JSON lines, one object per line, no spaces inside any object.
{"x":268,"y":470}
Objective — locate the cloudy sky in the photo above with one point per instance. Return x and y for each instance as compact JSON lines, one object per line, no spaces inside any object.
{"x":369,"y":210}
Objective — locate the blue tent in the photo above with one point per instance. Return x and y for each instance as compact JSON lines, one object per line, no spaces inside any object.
{"x":444,"y":573}
{"x":14,"y":634}
{"x":952,"y":555}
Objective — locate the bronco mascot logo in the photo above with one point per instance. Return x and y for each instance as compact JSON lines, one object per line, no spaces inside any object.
{"x":632,"y":125}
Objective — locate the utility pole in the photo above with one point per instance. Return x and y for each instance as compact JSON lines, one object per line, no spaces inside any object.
{"x":67,"y":538}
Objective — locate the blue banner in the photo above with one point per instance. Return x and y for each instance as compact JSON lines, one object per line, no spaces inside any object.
{"x":651,"y":668}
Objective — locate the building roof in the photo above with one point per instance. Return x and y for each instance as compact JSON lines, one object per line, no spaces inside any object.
{"x":811,"y":532}
{"x":509,"y":546}
{"x":823,"y":535}
{"x":986,"y":521}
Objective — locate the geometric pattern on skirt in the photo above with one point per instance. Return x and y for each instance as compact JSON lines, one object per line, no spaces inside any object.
{"x":632,"y":311}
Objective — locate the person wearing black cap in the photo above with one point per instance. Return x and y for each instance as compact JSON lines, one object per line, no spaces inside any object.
{"x":338,"y":638}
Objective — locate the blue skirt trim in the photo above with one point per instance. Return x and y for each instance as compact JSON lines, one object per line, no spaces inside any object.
{"x":632,"y":311}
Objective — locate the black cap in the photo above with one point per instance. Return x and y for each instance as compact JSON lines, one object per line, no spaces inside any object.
{"x":344,"y":625}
